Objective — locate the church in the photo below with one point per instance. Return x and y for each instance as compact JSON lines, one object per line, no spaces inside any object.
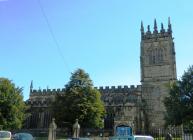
{"x":140,"y":106}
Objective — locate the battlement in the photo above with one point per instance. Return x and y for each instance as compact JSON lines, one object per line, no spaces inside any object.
{"x":156,"y":34}
{"x":115,"y":89}
{"x":47,"y":91}
{"x":106,"y":89}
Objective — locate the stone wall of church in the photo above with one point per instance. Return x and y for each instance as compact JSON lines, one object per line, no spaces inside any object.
{"x":121,"y":104}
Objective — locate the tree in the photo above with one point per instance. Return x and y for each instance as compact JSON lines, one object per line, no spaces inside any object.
{"x":80,"y":101}
{"x":173,"y":105}
{"x":12,"y":106}
{"x":179,"y":103}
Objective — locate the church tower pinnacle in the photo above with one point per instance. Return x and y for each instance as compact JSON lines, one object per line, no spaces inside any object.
{"x":142,"y":29}
{"x":162,"y":28}
{"x":31,"y":86}
{"x":155,"y":27}
{"x":169,"y":26}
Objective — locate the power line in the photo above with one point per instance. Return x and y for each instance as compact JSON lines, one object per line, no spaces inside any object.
{"x":52,"y":34}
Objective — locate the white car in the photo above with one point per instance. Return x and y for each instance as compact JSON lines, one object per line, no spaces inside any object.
{"x":5,"y":135}
{"x":141,"y":137}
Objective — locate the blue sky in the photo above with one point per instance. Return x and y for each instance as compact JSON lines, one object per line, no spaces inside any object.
{"x":100,"y":36}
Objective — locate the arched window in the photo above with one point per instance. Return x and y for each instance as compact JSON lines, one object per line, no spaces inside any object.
{"x":161,"y":57}
{"x":154,"y":57}
{"x":150,"y":57}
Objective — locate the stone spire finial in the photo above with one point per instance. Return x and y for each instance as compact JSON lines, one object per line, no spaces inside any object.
{"x":142,"y":28}
{"x":148,"y":29}
{"x":169,"y":26}
{"x":155,"y":26}
{"x":169,"y":21}
{"x":162,"y":28}
{"x":31,"y":85}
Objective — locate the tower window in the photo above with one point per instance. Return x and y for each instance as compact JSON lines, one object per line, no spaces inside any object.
{"x":150,"y":57}
{"x":155,"y":56}
{"x":161,"y":56}
{"x":154,"y":60}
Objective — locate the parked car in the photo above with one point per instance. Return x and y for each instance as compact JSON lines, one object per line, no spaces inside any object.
{"x":80,"y":138}
{"x":124,"y":132}
{"x":132,"y":137}
{"x":5,"y":135}
{"x":84,"y":138}
{"x":23,"y":136}
{"x":141,"y":137}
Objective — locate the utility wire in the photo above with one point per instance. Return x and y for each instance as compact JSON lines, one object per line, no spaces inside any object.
{"x":52,"y":34}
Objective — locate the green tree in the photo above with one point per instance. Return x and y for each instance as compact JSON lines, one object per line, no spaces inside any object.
{"x":179,"y":103}
{"x":80,"y":100}
{"x":12,"y":106}
{"x":174,"y":106}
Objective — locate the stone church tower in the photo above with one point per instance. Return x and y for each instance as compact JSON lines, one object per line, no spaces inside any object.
{"x":158,"y":68}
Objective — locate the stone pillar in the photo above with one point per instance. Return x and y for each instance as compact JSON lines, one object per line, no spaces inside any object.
{"x":52,"y":130}
{"x":76,"y":129}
